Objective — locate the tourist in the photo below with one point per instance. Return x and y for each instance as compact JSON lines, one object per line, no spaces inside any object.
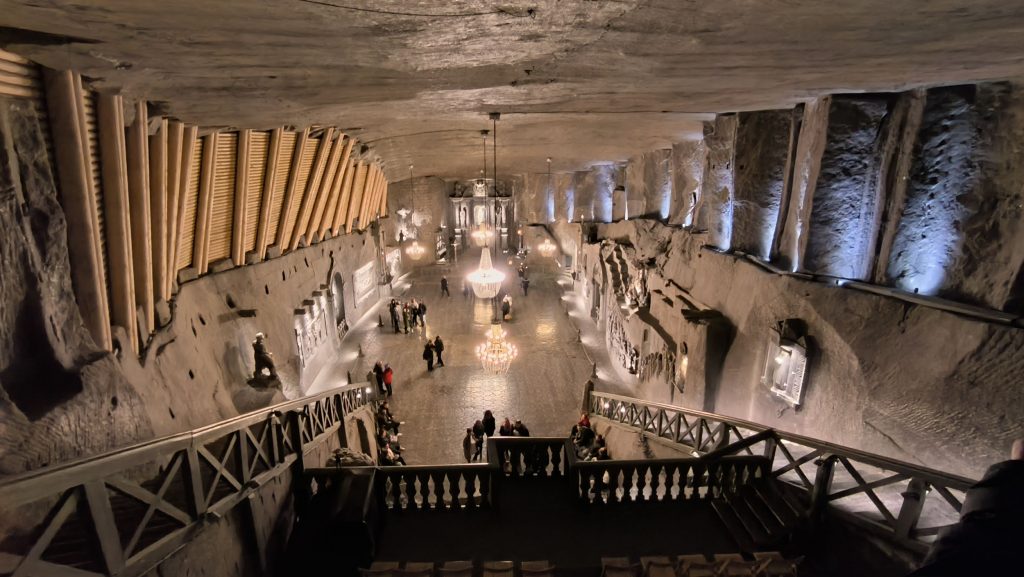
{"x":506,"y":428}
{"x":423,"y":314}
{"x":465,"y":289}
{"x":489,"y":424}
{"x":526,"y":285}
{"x":520,"y":429}
{"x":414,"y":311}
{"x":444,"y":287}
{"x":386,"y":420}
{"x":393,"y":309}
{"x":388,"y":377}
{"x":405,"y":317}
{"x":584,"y":420}
{"x":438,"y":349}
{"x":467,"y":445}
{"x":506,"y":307}
{"x":378,"y":375}
{"x":478,"y":439}
{"x":428,"y":355}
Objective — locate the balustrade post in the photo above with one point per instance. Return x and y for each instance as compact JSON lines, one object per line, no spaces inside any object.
{"x":588,"y":391}
{"x":821,"y":489}
{"x":770,"y":446}
{"x":300,"y":487}
{"x":910,"y":511}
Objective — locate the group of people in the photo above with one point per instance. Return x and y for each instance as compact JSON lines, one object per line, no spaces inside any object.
{"x":473,"y":442}
{"x":388,"y":445}
{"x":433,"y":351}
{"x":589,"y":445}
{"x":412,"y":313}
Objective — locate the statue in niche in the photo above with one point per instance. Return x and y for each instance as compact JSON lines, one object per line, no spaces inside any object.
{"x":264,"y":362}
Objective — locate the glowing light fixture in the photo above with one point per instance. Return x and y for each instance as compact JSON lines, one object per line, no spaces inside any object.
{"x":482,"y":235}
{"x":496,"y":355}
{"x":486,"y":280}
{"x":547,"y":248}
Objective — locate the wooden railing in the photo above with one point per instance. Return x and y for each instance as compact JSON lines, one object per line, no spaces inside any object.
{"x":123,"y":512}
{"x":896,"y":500}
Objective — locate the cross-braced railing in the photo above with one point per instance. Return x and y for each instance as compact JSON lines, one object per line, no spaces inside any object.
{"x":121,"y":513}
{"x":900,"y":501}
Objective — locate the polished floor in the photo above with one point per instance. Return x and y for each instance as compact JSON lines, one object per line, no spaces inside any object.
{"x":543,"y":388}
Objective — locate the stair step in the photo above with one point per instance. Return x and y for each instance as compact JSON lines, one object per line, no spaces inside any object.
{"x":734,"y":525}
{"x":749,"y":520}
{"x":782,"y":507}
{"x":764,"y":513}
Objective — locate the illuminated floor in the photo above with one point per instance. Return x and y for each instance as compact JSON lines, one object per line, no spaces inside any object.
{"x":544,"y":387}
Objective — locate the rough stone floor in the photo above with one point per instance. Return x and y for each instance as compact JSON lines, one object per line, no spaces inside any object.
{"x":544,"y":387}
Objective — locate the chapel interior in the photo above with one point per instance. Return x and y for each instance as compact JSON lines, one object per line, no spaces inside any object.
{"x":746,"y":280}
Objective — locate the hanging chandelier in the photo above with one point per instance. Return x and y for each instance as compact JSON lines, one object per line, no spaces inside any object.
{"x":414,"y":251}
{"x":547,"y":248}
{"x":497,"y":354}
{"x":481,"y":235}
{"x":485,"y":280}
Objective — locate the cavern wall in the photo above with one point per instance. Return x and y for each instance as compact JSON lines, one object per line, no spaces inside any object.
{"x":426,"y":220}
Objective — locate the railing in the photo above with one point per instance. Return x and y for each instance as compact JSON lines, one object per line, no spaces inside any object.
{"x":665,"y":480}
{"x":894,"y":499}
{"x":528,"y":456}
{"x":436,"y":488}
{"x":123,"y":512}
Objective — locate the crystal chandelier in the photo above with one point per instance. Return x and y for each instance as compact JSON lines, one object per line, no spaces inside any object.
{"x":546,"y":248}
{"x":497,"y":354}
{"x":415,"y":251}
{"x":481,"y":235}
{"x":486,"y":280}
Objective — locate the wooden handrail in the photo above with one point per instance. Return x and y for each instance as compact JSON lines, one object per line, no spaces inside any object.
{"x":927,"y":474}
{"x":39,"y":483}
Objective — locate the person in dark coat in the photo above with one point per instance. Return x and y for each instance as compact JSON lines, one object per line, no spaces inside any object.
{"x":438,"y":349}
{"x":428,"y":355}
{"x":506,"y":429}
{"x":478,"y":440}
{"x":393,"y":308}
{"x":405,"y":317}
{"x":489,"y":423}
{"x":467,"y":445}
{"x":444,"y":287}
{"x":526,"y":285}
{"x":423,"y":313}
{"x":378,"y":375}
{"x":987,"y":538}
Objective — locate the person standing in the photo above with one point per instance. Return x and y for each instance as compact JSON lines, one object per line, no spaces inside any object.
{"x":506,"y":307}
{"x":465,"y":290}
{"x":438,"y":349}
{"x":444,"y":287}
{"x":378,"y":375}
{"x":506,"y":429}
{"x":393,"y":308}
{"x":423,"y":314}
{"x":428,"y":355}
{"x":478,"y":440}
{"x":489,"y":424}
{"x":467,"y":445}
{"x":526,"y":285}
{"x":388,"y":376}
{"x":405,"y":317}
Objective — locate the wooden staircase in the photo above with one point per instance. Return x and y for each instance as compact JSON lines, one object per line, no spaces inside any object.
{"x":760,"y":515}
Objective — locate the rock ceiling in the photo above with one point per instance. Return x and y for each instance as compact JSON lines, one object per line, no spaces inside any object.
{"x":582,"y":81}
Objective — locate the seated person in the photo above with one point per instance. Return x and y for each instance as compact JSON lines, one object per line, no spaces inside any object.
{"x":386,"y":420}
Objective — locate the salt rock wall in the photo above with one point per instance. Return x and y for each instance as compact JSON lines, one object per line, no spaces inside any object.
{"x":649,"y":184}
{"x":63,"y":397}
{"x":586,"y":192}
{"x":688,"y":159}
{"x":715,"y":212}
{"x":884,"y":375}
{"x":762,"y":151}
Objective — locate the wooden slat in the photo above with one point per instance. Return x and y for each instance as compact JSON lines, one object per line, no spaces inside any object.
{"x":118,"y":229}
{"x":297,"y":183}
{"x":356,"y":202}
{"x":282,"y":174}
{"x":158,"y":207}
{"x":204,"y":208}
{"x":382,"y":210}
{"x":190,"y":174}
{"x":137,"y":148}
{"x":177,"y":153}
{"x":292,"y":190}
{"x":369,"y":196}
{"x":324,"y":191}
{"x":345,"y":201}
{"x":95,"y":171}
{"x":380,"y":186}
{"x":238,"y":224}
{"x":258,"y":153}
{"x":310,"y":198}
{"x":339,"y":180}
{"x":222,"y":201}
{"x":72,"y":162}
